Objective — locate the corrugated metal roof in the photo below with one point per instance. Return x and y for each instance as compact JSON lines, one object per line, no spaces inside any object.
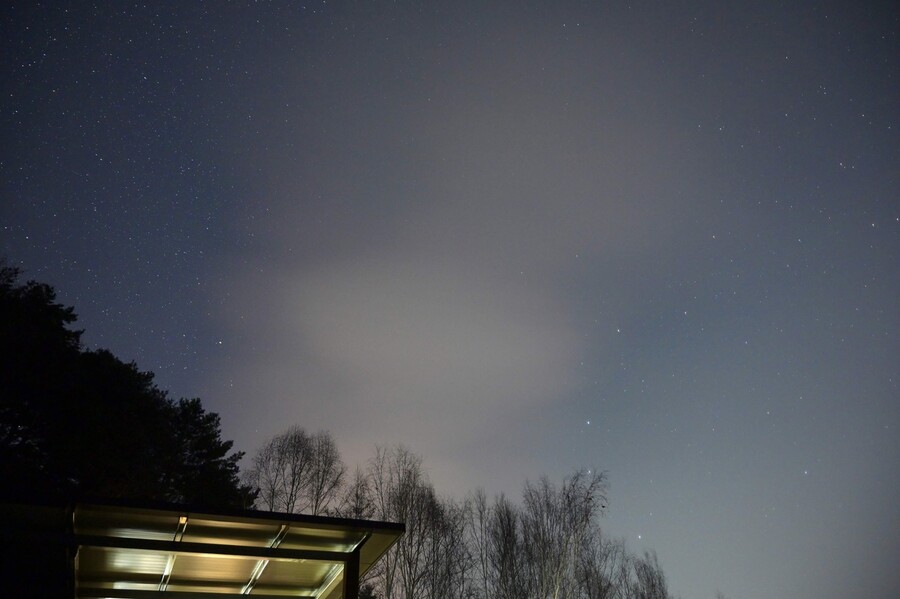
{"x":132,"y":552}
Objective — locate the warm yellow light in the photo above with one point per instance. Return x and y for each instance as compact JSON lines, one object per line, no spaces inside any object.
{"x":182,"y":519}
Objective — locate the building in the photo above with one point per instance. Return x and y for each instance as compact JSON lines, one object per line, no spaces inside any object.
{"x":163,"y":551}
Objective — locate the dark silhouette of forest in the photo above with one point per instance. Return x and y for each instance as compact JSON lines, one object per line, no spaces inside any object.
{"x":78,"y":423}
{"x":82,"y":423}
{"x":548,"y":545}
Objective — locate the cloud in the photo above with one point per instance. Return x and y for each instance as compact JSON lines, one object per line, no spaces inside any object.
{"x":421,"y":275}
{"x":393,"y":349}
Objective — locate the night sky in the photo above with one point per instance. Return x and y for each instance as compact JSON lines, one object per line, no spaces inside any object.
{"x":518,"y":237}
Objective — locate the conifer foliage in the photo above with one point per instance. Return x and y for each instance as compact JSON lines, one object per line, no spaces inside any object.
{"x":82,"y":423}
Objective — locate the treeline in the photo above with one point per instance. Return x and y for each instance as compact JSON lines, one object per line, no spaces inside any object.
{"x":82,"y":424}
{"x":548,"y":545}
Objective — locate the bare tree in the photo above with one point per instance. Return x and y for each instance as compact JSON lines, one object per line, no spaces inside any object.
{"x":356,"y":500}
{"x":603,"y":567}
{"x":297,"y":473}
{"x":326,"y":472}
{"x":412,"y":499}
{"x":400,"y":493}
{"x":507,"y":555}
{"x":280,"y":470}
{"x":649,"y":580}
{"x":447,"y":554}
{"x":548,"y":547}
{"x":555,"y":523}
{"x":432,"y":559}
{"x":478,"y":516}
{"x":264,"y":475}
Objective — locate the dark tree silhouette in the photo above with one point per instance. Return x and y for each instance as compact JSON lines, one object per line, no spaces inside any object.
{"x":202,"y":469}
{"x":34,"y":332}
{"x":296,"y":472}
{"x":84,"y":423}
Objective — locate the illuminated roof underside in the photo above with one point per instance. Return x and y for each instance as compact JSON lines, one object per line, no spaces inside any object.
{"x":132,"y":553}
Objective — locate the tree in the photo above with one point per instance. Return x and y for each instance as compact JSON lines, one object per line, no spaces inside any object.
{"x":479,"y":513}
{"x":506,"y":552}
{"x":399,"y":491}
{"x":555,"y":523}
{"x":356,"y":500}
{"x":367,"y":591}
{"x":326,"y":473}
{"x":550,"y":546}
{"x":448,"y":557}
{"x":280,"y":470}
{"x":295,"y":472}
{"x":603,"y":567}
{"x":432,"y":560}
{"x":37,"y":344}
{"x":649,"y":580}
{"x":203,"y":468}
{"x":83,"y":423}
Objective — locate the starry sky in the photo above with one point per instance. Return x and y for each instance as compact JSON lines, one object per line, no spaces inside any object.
{"x":656,"y":239}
